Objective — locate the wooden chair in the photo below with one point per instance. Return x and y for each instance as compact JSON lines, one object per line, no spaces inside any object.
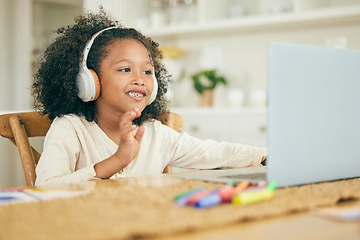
{"x":19,"y":127}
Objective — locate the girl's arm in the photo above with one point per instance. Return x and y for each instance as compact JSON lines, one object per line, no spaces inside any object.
{"x":191,"y":152}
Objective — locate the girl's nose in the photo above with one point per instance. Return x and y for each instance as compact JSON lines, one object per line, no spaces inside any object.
{"x":138,"y":79}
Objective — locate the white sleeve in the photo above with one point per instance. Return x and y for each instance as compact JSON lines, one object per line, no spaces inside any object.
{"x":191,"y":152}
{"x":58,"y":161}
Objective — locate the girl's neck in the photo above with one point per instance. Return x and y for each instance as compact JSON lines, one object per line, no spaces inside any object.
{"x":109,"y":123}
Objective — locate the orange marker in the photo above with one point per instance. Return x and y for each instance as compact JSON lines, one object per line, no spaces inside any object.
{"x":12,"y":189}
{"x":241,"y":186}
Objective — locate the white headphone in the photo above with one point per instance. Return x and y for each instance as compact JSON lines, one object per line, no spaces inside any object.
{"x":88,"y":82}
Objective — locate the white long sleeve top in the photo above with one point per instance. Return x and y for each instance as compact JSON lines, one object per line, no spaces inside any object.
{"x":73,"y":146}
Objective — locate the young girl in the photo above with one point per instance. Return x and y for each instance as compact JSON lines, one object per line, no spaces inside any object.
{"x":103,"y":86}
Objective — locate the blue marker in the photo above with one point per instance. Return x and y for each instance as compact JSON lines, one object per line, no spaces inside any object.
{"x":210,"y":200}
{"x":7,"y":198}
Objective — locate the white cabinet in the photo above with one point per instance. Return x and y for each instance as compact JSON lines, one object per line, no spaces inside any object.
{"x":246,"y":126}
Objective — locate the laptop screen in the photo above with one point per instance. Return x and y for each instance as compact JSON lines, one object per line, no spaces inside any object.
{"x":313,"y":114}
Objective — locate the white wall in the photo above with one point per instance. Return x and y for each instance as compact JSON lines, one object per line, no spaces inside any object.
{"x":244,"y":55}
{"x":15,"y":78}
{"x":22,"y":21}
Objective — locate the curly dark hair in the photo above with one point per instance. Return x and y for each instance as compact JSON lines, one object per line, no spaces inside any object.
{"x":54,"y":86}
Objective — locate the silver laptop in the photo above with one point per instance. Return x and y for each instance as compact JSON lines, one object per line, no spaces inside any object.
{"x":313,"y":118}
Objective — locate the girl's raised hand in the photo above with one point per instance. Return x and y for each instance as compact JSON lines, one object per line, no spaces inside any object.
{"x":129,"y":142}
{"x":128,"y":146}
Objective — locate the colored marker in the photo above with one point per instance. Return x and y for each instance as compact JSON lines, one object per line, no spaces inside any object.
{"x":185,"y":194}
{"x":183,"y":200}
{"x":257,"y":187}
{"x":209,"y":200}
{"x":223,"y":194}
{"x":226,"y":193}
{"x":7,"y":198}
{"x":18,"y":189}
{"x":272,"y":185}
{"x":197,"y":196}
{"x":249,"y":197}
{"x":241,"y":186}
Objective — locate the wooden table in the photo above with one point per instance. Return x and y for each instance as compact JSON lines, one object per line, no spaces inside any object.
{"x":303,"y":225}
{"x":295,"y":227}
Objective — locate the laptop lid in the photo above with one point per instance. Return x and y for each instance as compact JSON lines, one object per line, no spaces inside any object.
{"x":313,"y":114}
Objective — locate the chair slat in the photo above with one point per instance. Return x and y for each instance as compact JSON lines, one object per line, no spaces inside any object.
{"x":23,"y":145}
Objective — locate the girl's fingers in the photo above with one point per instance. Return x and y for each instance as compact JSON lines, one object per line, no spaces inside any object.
{"x":126,"y":122}
{"x":131,"y":115}
{"x":137,"y":112}
{"x":139,"y":133}
{"x":127,"y":128}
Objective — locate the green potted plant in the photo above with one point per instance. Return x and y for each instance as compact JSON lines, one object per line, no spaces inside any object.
{"x":205,"y":82}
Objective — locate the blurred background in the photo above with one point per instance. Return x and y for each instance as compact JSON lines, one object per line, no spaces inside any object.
{"x":223,"y":40}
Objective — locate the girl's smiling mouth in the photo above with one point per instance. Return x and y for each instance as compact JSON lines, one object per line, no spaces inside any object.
{"x":136,"y":95}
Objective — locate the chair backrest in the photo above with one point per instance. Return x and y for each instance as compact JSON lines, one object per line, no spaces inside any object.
{"x":19,"y":127}
{"x":172,"y":120}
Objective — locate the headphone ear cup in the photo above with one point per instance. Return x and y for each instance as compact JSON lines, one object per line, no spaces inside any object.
{"x":155,"y":89}
{"x":88,"y":85}
{"x":96,"y":84}
{"x":87,"y":81}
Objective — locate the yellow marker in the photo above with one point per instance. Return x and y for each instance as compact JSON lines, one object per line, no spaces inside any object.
{"x":249,"y":197}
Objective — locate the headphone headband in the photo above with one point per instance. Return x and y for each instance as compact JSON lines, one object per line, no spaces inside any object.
{"x":90,"y":43}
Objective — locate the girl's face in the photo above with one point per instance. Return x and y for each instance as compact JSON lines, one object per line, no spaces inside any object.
{"x":125,"y":77}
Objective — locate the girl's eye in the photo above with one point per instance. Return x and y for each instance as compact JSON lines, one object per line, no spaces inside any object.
{"x":148,"y":72}
{"x":125,"y":70}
